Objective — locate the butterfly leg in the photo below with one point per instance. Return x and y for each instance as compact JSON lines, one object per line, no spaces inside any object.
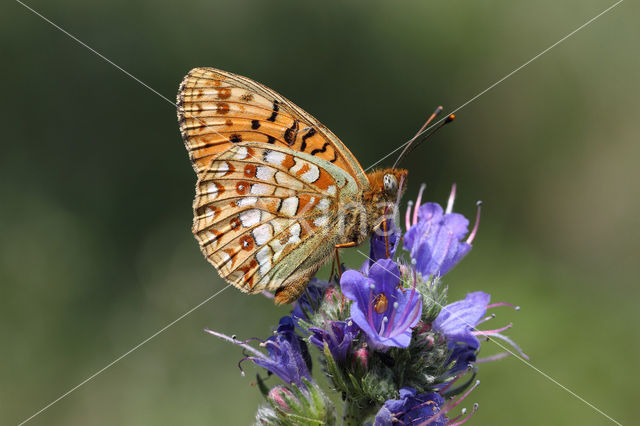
{"x":337,"y":257}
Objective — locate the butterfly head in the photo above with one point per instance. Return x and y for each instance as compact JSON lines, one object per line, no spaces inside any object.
{"x":386,"y":185}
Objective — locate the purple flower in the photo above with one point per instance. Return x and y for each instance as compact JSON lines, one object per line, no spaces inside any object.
{"x":412,"y":409}
{"x":457,"y":321}
{"x":383,"y":310}
{"x":434,"y":237}
{"x":381,"y":239}
{"x":338,"y":337}
{"x":462,"y":355}
{"x":288,"y":357}
{"x":310,"y":300}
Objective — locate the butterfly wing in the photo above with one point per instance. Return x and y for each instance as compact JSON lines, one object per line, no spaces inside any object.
{"x":217,"y":109}
{"x":261,"y":214}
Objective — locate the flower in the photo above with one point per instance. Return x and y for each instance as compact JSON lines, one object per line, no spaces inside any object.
{"x":384,"y":310}
{"x":434,"y":237}
{"x":310,"y":300}
{"x":412,"y":409}
{"x":338,"y":337}
{"x":278,"y":397}
{"x":462,"y":356}
{"x":457,"y":321}
{"x":386,"y":236}
{"x":288,"y":356}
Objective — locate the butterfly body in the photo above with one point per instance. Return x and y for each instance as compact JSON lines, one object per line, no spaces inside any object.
{"x":276,"y":190}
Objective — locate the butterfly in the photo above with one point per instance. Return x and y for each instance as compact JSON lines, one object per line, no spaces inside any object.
{"x":277,"y":191}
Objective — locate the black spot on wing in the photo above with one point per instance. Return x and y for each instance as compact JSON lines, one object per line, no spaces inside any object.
{"x":271,"y":139}
{"x":291,"y":133}
{"x":319,"y":150}
{"x":274,"y":114}
{"x":235,"y":138}
{"x":306,"y":136}
{"x":255,"y":124}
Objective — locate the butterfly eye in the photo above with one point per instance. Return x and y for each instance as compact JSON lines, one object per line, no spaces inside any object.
{"x":390,"y":184}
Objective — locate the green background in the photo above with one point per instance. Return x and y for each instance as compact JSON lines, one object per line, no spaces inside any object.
{"x":96,"y":252}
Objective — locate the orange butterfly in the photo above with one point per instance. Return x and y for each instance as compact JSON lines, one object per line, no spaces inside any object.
{"x":276,"y":190}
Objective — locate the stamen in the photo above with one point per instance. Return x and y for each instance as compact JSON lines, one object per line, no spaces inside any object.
{"x":472,"y":235}
{"x":407,"y":217}
{"x":406,"y":313}
{"x":512,"y":343}
{"x":495,"y":305}
{"x":418,"y":200}
{"x":240,"y":365}
{"x":393,"y":315}
{"x":492,"y":316}
{"x":459,"y":400}
{"x":243,"y":345}
{"x":487,"y":332}
{"x":452,"y":197}
{"x":382,"y":324}
{"x":473,"y":411}
{"x":491,"y":358}
{"x":372,"y":300}
{"x":455,"y":379}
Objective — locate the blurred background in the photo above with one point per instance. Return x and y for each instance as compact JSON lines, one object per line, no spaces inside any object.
{"x":96,"y":252}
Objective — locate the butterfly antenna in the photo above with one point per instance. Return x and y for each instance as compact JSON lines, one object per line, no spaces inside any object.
{"x":412,"y":144}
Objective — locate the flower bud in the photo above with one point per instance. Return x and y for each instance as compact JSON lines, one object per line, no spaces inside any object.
{"x":361,"y":357}
{"x":330,"y":294}
{"x":279,"y":395}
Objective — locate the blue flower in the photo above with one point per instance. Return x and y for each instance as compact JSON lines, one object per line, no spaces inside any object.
{"x":387,"y":235}
{"x":383,"y":310}
{"x":412,"y":409}
{"x":462,"y":355}
{"x":288,"y":356}
{"x":434,"y":237}
{"x":310,"y":300}
{"x":457,"y":321}
{"x":338,"y":337}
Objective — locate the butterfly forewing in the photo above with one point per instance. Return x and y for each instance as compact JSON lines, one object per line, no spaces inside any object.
{"x":217,"y":109}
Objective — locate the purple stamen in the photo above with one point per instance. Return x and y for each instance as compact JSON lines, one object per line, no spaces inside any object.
{"x":472,"y":235}
{"x":473,"y":411}
{"x":407,"y":312}
{"x":240,"y":365}
{"x":407,"y":216}
{"x":393,"y":315}
{"x":491,"y":358}
{"x":382,"y":323}
{"x":492,"y":316}
{"x":512,"y":343}
{"x":452,"y":197}
{"x":495,"y":331}
{"x":254,"y":351}
{"x":419,"y":199}
{"x":462,"y":398}
{"x":495,"y":305}
{"x":455,"y":379}
{"x":370,"y":319}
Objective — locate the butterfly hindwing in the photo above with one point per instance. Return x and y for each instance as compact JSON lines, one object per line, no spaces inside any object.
{"x":261,"y":214}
